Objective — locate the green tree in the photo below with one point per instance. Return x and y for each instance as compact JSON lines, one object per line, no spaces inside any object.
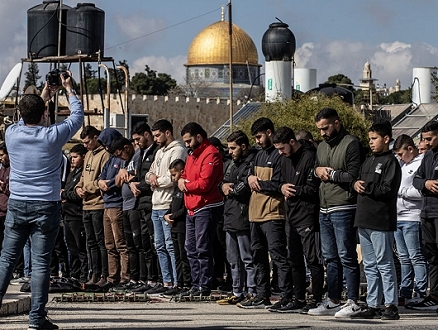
{"x":400,"y":97}
{"x":299,"y":113}
{"x":151,"y":83}
{"x":118,"y":77}
{"x":32,"y":77}
{"x":89,"y":73}
{"x":341,"y":80}
{"x":96,"y":86}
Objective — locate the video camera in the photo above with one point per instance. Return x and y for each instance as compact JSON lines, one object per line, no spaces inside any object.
{"x":53,"y":78}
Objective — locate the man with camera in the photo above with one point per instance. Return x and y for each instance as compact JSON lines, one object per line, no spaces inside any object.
{"x":34,"y":210}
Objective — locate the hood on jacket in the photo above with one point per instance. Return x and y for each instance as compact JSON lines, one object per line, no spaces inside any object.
{"x":173,"y":144}
{"x":307,"y":145}
{"x":107,"y":136}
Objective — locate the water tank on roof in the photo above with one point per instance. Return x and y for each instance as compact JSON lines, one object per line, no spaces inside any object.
{"x":42,"y":29}
{"x":85,"y":30}
{"x":422,"y":86}
{"x":278,"y":43}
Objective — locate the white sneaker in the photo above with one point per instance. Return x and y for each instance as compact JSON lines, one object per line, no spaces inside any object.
{"x":327,"y":307}
{"x":347,"y":309}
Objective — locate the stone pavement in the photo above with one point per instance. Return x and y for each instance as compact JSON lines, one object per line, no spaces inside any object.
{"x":15,"y":302}
{"x":165,"y":314}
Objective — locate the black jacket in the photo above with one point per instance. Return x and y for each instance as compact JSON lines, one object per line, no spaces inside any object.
{"x":428,"y":170}
{"x":144,"y":200}
{"x":72,"y":203}
{"x":236,"y":203}
{"x":377,"y":206}
{"x":178,"y":211}
{"x":303,"y":208}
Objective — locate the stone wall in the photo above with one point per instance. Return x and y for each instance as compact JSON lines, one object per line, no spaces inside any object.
{"x":209,"y":113}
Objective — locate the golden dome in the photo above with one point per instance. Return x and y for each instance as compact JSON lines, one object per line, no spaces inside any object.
{"x":211,"y":46}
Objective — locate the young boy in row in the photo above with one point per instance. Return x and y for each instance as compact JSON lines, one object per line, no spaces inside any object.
{"x":407,"y":237}
{"x":376,"y":218}
{"x":176,"y":218}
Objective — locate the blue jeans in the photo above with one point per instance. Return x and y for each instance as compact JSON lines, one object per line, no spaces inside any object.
{"x":164,"y":246}
{"x":338,"y":245}
{"x":239,"y":256}
{"x":413,"y":263}
{"x":39,"y":220}
{"x":200,"y":232}
{"x":378,"y":265}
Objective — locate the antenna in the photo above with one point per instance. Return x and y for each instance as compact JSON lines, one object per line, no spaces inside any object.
{"x":278,"y":19}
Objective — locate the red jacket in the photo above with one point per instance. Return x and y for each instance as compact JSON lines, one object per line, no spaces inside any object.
{"x":203,"y":173}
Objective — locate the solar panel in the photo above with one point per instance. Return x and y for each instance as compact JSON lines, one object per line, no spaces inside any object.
{"x":245,"y":112}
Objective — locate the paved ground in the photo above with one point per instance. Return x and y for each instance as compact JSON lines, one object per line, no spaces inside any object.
{"x":162,"y":314}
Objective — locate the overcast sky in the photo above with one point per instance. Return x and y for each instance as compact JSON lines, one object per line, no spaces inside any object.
{"x":333,"y":36}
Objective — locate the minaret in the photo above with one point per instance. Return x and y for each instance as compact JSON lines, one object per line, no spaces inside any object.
{"x":397,"y":85}
{"x":367,"y":84}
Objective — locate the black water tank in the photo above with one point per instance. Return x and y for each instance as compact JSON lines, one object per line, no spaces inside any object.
{"x":278,"y":43}
{"x":42,"y":29}
{"x":85,"y":29}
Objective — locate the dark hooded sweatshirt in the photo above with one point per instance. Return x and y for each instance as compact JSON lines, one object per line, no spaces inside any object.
{"x":303,"y":208}
{"x":112,"y":197}
{"x":236,"y":203}
{"x":428,"y":170}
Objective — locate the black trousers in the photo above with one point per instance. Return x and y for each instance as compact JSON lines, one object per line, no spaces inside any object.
{"x":77,"y":245}
{"x":221,"y":263}
{"x":93,"y":223}
{"x":270,"y":236}
{"x":137,"y":266}
{"x":429,"y":230}
{"x":304,"y":242}
{"x":149,"y":254}
{"x":183,"y":274}
{"x":60,"y":256}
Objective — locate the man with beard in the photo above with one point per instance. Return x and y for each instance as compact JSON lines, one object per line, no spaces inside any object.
{"x":267,"y":219}
{"x":142,"y":136}
{"x":161,"y":182}
{"x":300,"y":190}
{"x":337,"y":165}
{"x":204,"y":203}
{"x":236,"y":223}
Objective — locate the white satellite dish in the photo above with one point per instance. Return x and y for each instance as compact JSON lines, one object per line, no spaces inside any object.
{"x":10,"y":81}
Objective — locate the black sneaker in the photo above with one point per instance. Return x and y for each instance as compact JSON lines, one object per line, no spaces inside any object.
{"x":290,"y":307}
{"x":142,"y":288}
{"x":306,"y":308}
{"x":428,"y":303}
{"x":124,"y":286}
{"x":47,"y":325}
{"x":189,"y":293}
{"x":106,"y":286}
{"x":367,"y":313}
{"x":172,"y":292}
{"x":390,"y":313}
{"x":282,"y":302}
{"x":195,"y":292}
{"x":255,"y":303}
{"x":157,"y":290}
